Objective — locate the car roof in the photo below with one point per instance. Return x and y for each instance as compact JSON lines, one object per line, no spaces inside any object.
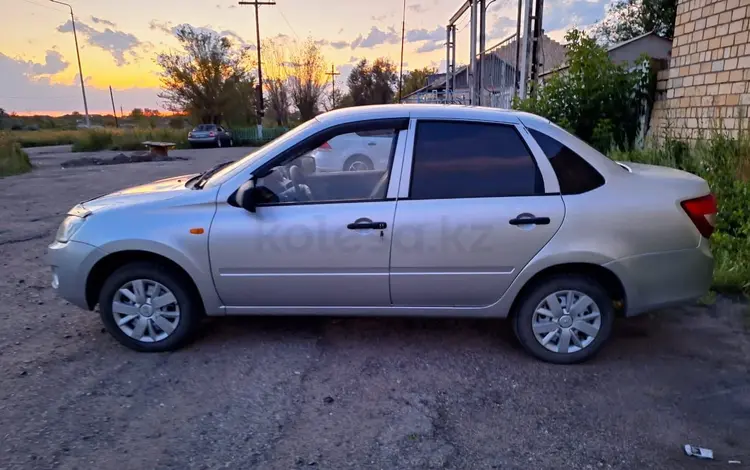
{"x":423,"y":111}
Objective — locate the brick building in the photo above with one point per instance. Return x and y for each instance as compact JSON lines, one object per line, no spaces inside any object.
{"x":707,"y":85}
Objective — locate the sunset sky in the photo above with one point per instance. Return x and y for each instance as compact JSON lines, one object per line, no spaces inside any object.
{"x":120,"y":39}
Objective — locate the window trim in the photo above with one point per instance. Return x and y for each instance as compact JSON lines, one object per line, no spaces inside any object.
{"x":398,"y":124}
{"x":534,"y":155}
{"x":593,"y":168}
{"x":395,"y":159}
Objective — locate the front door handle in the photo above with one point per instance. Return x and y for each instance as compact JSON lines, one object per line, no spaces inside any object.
{"x":529,"y":219}
{"x":364,"y":225}
{"x":371,"y":144}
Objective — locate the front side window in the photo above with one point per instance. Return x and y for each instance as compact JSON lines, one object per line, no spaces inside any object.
{"x":351,"y":166}
{"x":471,"y":160}
{"x":574,"y":174}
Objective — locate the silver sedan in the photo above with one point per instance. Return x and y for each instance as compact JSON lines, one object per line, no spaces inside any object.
{"x":478,"y":213}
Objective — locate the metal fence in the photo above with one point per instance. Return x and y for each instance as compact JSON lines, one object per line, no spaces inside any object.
{"x":249,"y":135}
{"x":498,"y":66}
{"x":499,"y":74}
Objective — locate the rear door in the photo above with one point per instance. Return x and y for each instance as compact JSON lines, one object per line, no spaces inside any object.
{"x":472,"y":212}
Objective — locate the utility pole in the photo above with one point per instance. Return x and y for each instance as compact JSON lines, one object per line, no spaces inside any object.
{"x":482,"y":44}
{"x":518,"y":49}
{"x":260,"y":106}
{"x":472,"y":53}
{"x":78,"y":54}
{"x":525,"y":49}
{"x":537,"y":46}
{"x":114,"y":111}
{"x":401,"y":72}
{"x":122,"y":115}
{"x":333,"y":74}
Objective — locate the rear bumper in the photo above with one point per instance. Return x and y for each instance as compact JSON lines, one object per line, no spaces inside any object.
{"x":71,"y":263}
{"x":658,"y":280}
{"x":202,"y":140}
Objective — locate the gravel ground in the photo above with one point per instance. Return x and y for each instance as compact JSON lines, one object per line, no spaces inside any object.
{"x":285,"y":393}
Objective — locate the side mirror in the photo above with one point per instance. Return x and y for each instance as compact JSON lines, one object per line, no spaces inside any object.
{"x":245,"y":196}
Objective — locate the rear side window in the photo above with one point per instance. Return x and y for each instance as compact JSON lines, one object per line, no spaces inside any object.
{"x":574,"y":174}
{"x":470,"y":160}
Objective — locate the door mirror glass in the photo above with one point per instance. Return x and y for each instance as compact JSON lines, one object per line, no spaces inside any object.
{"x":245,"y":196}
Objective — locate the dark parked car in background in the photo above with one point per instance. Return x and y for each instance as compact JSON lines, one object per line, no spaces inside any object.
{"x":210,"y":134}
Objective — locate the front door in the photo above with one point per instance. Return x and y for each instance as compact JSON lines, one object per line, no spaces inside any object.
{"x":475,"y":215}
{"x":321,"y":239}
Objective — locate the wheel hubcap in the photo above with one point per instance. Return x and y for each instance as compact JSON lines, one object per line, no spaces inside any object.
{"x":146,"y":310}
{"x":566,"y":321}
{"x":357,"y":166}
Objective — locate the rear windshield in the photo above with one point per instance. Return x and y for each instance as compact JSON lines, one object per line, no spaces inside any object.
{"x":204,"y":127}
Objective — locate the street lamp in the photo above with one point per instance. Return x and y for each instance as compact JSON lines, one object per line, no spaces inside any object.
{"x":78,"y":54}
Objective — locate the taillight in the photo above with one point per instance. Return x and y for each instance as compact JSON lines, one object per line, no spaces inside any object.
{"x":190,"y":134}
{"x":325,"y":146}
{"x":212,"y":134}
{"x":702,"y":211}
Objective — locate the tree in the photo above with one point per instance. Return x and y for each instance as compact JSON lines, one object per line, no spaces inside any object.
{"x":627,"y":19}
{"x":138,"y":117}
{"x":152,"y":117}
{"x":203,"y":78}
{"x":372,"y":84}
{"x":277,"y":81}
{"x":177,"y":121}
{"x":334,"y":100}
{"x":416,"y":79}
{"x":594,"y":98}
{"x":307,"y":79}
{"x":241,"y":108}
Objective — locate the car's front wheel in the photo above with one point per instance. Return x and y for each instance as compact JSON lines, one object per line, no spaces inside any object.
{"x":149,"y":308}
{"x":564,"y":319}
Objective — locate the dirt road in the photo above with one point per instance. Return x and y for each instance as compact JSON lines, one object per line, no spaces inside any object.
{"x":284,"y":393}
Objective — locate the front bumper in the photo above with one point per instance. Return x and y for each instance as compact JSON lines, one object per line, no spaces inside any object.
{"x":658,"y":280}
{"x":71,"y":264}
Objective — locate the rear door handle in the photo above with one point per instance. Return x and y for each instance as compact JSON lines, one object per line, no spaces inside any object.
{"x":371,"y":143}
{"x":524,"y":219}
{"x":367,"y":225}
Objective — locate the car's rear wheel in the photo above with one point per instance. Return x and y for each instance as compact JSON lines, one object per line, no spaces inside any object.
{"x":565,"y":319}
{"x":218,"y":142}
{"x":149,"y":308}
{"x":358,"y":163}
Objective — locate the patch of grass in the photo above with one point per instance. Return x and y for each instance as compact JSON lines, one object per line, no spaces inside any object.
{"x":109,"y":139}
{"x":92,"y":141}
{"x":13,"y":160}
{"x":724,"y":162}
{"x":42,"y":138}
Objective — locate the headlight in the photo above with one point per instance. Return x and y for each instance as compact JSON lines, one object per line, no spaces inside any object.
{"x":68,"y":228}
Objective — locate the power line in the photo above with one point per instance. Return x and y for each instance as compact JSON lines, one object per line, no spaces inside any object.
{"x":287,"y":23}
{"x":31,"y":2}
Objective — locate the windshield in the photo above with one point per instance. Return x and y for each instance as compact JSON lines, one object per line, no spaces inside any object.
{"x":275,"y":144}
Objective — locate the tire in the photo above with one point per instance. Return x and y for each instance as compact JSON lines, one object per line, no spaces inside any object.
{"x":358,"y":160}
{"x":231,"y":142}
{"x":190,"y":309}
{"x":526,"y":316}
{"x":218,"y":142}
